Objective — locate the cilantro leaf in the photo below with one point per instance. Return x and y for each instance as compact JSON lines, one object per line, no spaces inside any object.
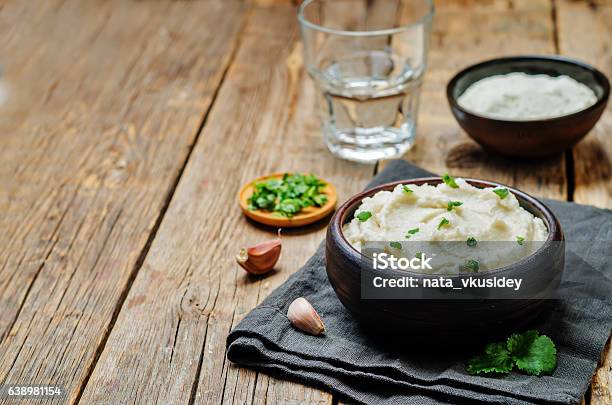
{"x":471,"y":266}
{"x":395,"y":245}
{"x":501,"y":192}
{"x":419,"y":255}
{"x":407,"y":189}
{"x":471,"y":241}
{"x":411,"y":232}
{"x":518,"y":343}
{"x":443,"y":222}
{"x":495,"y":359}
{"x":533,"y":353}
{"x":449,"y":181}
{"x":364,"y":216}
{"x":453,"y":204}
{"x":520,"y":240}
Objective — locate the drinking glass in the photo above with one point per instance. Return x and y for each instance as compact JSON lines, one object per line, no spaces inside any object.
{"x":367,"y":58}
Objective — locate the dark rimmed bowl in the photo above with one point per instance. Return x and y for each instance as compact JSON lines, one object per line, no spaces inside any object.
{"x":454,"y":318}
{"x":529,"y":138}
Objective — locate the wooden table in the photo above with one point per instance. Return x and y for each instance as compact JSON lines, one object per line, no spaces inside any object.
{"x":127,"y":128}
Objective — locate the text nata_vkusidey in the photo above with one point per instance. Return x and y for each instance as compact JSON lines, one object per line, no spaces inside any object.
{"x":443,"y":282}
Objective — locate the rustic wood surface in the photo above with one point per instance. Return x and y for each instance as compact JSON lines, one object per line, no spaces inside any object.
{"x":128,"y":128}
{"x":103,"y":102}
{"x":585,"y":31}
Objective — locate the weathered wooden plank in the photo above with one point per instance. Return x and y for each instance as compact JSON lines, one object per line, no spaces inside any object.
{"x":102,"y":103}
{"x":286,"y":392}
{"x":601,"y":388}
{"x":465,"y":33}
{"x":168,"y":342}
{"x":584,"y":32}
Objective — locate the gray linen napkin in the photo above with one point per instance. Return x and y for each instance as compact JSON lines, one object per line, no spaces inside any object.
{"x":355,"y":364}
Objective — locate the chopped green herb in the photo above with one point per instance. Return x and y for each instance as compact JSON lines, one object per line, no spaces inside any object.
{"x":411,"y":232}
{"x":407,"y":189}
{"x":443,"y":222}
{"x":495,"y":359}
{"x":419,"y":255}
{"x":520,"y":240}
{"x":501,"y":192}
{"x":471,"y":241}
{"x":395,"y":245}
{"x":453,"y":204}
{"x":532,"y":353}
{"x":471,"y":266}
{"x":319,"y":200}
{"x":364,"y":216}
{"x":449,"y":181}
{"x":288,"y":195}
{"x":288,"y":207}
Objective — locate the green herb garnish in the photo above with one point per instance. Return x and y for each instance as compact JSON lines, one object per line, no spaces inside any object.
{"x":495,"y":359}
{"x":443,"y":222}
{"x":471,"y":265}
{"x":411,"y":232}
{"x":530,"y":352}
{"x":395,"y":245}
{"x":520,"y":240}
{"x":471,"y":241}
{"x":407,"y":189}
{"x":449,"y":181}
{"x":453,"y":204}
{"x":364,"y":216}
{"x":501,"y":192}
{"x":289,"y":195}
{"x":419,"y":255}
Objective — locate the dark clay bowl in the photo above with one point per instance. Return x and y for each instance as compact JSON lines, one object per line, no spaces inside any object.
{"x":532,"y":138}
{"x":432,"y":318}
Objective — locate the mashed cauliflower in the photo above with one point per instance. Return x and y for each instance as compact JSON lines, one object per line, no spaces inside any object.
{"x":443,"y":213}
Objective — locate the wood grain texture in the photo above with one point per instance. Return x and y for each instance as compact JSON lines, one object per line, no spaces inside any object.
{"x":168,"y":343}
{"x":100,"y":106}
{"x":601,"y":388}
{"x":465,"y":33}
{"x":101,"y":103}
{"x":585,"y":32}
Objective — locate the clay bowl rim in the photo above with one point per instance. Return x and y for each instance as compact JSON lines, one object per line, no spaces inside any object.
{"x":555,"y":232}
{"x":600,"y":76}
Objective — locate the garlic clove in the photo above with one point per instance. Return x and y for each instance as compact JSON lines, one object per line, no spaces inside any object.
{"x":260,"y":258}
{"x":304,"y":317}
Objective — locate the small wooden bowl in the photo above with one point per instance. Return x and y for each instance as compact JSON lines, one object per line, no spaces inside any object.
{"x":529,"y":138}
{"x":431,"y":319}
{"x":306,"y":216}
